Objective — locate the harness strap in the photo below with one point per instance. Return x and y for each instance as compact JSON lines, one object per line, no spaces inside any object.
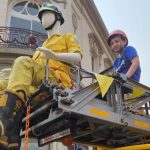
{"x":26,"y":142}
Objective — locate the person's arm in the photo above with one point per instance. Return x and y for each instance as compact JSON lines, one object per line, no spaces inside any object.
{"x":133,"y":67}
{"x":64,"y":57}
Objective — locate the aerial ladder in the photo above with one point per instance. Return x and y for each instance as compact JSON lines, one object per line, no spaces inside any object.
{"x":85,"y":116}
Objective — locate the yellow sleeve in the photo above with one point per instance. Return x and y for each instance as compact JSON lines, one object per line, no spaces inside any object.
{"x":72,"y":44}
{"x":36,"y":55}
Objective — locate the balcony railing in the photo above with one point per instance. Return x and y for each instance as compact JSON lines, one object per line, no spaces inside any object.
{"x":20,"y":38}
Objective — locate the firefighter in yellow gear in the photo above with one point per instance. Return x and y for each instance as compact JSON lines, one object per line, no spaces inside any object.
{"x":28,"y":71}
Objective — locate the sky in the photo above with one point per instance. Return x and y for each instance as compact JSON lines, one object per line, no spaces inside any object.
{"x":133,"y":17}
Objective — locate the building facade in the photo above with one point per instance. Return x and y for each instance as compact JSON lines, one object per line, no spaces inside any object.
{"x":21,"y":32}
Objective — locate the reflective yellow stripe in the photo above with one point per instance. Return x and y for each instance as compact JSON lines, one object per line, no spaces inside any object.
{"x":99,"y":112}
{"x":15,"y":145}
{"x":141,"y":124}
{"x":3,"y":100}
{"x":135,"y":147}
{"x":3,"y":141}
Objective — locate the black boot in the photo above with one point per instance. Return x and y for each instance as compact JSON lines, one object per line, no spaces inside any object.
{"x":10,"y":122}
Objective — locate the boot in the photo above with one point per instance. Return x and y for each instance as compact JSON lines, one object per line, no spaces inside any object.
{"x":10,"y":121}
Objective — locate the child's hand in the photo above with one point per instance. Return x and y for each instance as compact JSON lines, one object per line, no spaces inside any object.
{"x":47,"y":53}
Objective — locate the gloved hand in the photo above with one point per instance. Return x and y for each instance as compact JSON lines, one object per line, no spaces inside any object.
{"x":47,"y":53}
{"x":123,"y":76}
{"x":120,"y":76}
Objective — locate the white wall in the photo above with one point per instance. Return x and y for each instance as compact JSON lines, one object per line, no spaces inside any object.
{"x":3,"y":12}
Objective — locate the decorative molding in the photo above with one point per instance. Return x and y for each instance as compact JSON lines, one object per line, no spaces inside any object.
{"x":107,"y":62}
{"x":56,"y":1}
{"x":96,"y":52}
{"x":78,"y":5}
{"x":95,"y":44}
{"x":61,"y":1}
{"x":98,"y":23}
{"x":24,"y":8}
{"x":74,"y":22}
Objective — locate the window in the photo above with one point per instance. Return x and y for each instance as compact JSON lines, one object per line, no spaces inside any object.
{"x":27,"y":24}
{"x":24,"y":15}
{"x":25,"y":29}
{"x":27,"y":8}
{"x":18,"y":7}
{"x":20,"y":23}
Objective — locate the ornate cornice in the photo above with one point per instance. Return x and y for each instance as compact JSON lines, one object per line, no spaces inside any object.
{"x":97,"y":21}
{"x":93,"y":38}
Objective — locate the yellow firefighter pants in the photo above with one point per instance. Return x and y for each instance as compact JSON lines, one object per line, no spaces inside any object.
{"x":25,"y":72}
{"x":3,"y":86}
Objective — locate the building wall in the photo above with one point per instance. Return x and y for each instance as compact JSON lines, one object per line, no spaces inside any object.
{"x":89,"y":29}
{"x":3,"y":11}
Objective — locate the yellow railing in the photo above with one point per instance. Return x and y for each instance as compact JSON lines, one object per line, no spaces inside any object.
{"x":134,"y":147}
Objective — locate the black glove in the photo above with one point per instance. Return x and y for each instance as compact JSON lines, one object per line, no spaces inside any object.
{"x":120,"y":76}
{"x":123,"y":76}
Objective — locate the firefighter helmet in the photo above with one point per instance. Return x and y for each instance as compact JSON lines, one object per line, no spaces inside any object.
{"x":52,"y":8}
{"x":117,"y":32}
